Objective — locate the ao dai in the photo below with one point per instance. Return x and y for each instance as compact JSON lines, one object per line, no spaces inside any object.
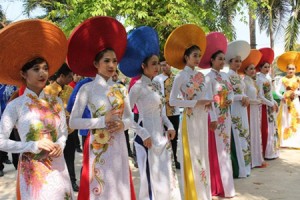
{"x":222,"y":91}
{"x":105,"y":173}
{"x":240,"y":126}
{"x":190,"y":84}
{"x":269,"y":129}
{"x":288,"y":118}
{"x":36,"y":117}
{"x":254,"y":112}
{"x":157,"y":174}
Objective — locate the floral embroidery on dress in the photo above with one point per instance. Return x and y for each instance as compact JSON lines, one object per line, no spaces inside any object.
{"x":102,"y":138}
{"x":235,"y":81}
{"x":291,"y":84}
{"x":195,"y":84}
{"x":202,"y":173}
{"x":220,"y":102}
{"x":155,"y":86}
{"x":244,"y":133}
{"x":35,"y":167}
{"x":267,"y":90}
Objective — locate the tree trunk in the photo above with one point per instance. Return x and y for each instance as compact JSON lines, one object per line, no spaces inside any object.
{"x":252,"y":28}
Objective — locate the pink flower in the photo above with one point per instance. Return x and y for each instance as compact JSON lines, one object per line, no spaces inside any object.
{"x":190,"y":92}
{"x":198,"y":78}
{"x":196,"y":85}
{"x":221,"y":119}
{"x":217,"y":98}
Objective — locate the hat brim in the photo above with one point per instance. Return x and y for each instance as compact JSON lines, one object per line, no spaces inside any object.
{"x":291,"y":57}
{"x":267,"y":56}
{"x":181,"y":39}
{"x":253,"y":58}
{"x":89,"y":38}
{"x":142,"y":42}
{"x":216,"y":42}
{"x":26,"y":40}
{"x":238,"y":48}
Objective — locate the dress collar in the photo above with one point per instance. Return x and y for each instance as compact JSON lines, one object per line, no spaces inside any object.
{"x":101,"y":81}
{"x":146,"y":79}
{"x":28,"y":91}
{"x":189,"y":69}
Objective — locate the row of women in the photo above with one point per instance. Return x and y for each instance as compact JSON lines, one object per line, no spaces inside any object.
{"x":32,"y":50}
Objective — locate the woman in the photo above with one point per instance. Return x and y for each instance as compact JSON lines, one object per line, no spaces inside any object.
{"x":105,"y":173}
{"x":241,"y":152}
{"x":269,"y":107}
{"x":153,"y":148}
{"x":190,"y":84}
{"x":288,"y":118}
{"x":254,"y":109}
{"x":39,"y":118}
{"x":220,"y":134}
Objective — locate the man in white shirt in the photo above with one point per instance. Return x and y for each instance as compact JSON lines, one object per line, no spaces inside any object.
{"x":166,"y":79}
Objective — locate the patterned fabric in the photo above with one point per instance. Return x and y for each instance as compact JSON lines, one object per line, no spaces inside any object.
{"x":271,"y":145}
{"x":192,"y":86}
{"x":222,"y":91}
{"x":240,"y":125}
{"x":37,"y":117}
{"x":106,"y":160}
{"x":288,"y":118}
{"x":147,"y":96}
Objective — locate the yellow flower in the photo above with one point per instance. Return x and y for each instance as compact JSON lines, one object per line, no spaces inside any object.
{"x":102,"y":136}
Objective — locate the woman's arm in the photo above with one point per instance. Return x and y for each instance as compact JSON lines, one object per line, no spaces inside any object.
{"x":8,"y":121}
{"x":134,"y":94}
{"x":175,"y":92}
{"x":76,"y":120}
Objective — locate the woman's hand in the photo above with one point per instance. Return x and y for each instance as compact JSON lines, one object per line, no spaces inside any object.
{"x":275,"y":108}
{"x":213,"y":125}
{"x":227,"y":103}
{"x":115,"y":126}
{"x":148,"y":143}
{"x":204,"y":102}
{"x":112,"y":115}
{"x":46,"y":144}
{"x":56,"y":152}
{"x":171,"y":134}
{"x":245,"y":101}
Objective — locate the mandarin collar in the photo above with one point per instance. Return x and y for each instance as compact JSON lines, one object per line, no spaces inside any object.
{"x":230,"y":70}
{"x":100,"y":80}
{"x":215,"y":71}
{"x":189,"y":69}
{"x":28,"y":91}
{"x":146,"y":79}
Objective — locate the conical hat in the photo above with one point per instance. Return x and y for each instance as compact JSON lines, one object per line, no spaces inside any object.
{"x":181,"y":39}
{"x":253,"y":58}
{"x":216,"y":41}
{"x":236,"y":48}
{"x":291,"y":57}
{"x":26,"y":40}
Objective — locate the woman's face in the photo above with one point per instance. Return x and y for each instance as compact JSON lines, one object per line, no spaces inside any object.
{"x":219,"y":62}
{"x":235,"y":63}
{"x":250,"y":71}
{"x":291,"y":70}
{"x":193,"y":59}
{"x":265,"y":68}
{"x":36,"y":77}
{"x":151,"y":68}
{"x":107,"y":65}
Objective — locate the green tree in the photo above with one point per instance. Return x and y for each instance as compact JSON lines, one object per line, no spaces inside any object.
{"x":292,"y":30}
{"x":272,"y":17}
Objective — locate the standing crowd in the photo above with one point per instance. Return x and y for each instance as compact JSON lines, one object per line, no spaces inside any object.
{"x":229,"y":124}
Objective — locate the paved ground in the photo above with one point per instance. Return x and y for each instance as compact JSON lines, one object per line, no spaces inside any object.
{"x":280,"y":181}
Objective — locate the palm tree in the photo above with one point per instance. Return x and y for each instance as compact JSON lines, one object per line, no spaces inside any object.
{"x":292,"y":29}
{"x":272,"y":17}
{"x":2,"y":18}
{"x":252,"y":28}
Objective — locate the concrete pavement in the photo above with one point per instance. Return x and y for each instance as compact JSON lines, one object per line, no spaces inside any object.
{"x":279,"y":181}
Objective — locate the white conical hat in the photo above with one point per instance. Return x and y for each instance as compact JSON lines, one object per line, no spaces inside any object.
{"x":237,"y":48}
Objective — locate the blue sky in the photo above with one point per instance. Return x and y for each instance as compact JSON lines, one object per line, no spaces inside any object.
{"x":13,"y":10}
